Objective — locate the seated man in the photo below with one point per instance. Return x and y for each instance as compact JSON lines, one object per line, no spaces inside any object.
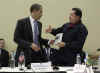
{"x":4,"y":55}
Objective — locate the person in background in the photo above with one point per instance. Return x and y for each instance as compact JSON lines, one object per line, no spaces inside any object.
{"x":28,"y":37}
{"x":74,"y":36}
{"x":4,"y":55}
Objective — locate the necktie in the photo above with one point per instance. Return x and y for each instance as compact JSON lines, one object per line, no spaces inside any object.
{"x":36,"y":33}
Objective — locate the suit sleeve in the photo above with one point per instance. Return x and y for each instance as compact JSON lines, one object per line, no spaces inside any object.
{"x":18,"y":35}
{"x":42,"y":40}
{"x":7,"y":59}
{"x":56,"y":31}
{"x":78,"y":44}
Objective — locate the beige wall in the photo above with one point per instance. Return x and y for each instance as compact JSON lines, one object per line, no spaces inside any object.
{"x":55,"y":13}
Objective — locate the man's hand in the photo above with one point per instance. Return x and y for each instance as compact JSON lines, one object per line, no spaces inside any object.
{"x":51,"y":42}
{"x":61,"y":44}
{"x":35,"y":47}
{"x":49,"y":29}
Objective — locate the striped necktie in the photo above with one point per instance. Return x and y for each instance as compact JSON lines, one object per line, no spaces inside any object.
{"x":36,"y":33}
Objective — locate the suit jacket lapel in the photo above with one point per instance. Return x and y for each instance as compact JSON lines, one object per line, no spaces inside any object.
{"x":39,"y":28}
{"x":30,"y":27}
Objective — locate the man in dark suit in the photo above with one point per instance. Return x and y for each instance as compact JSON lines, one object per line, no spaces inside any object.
{"x":74,"y":36}
{"x":4,"y":55}
{"x":28,"y":37}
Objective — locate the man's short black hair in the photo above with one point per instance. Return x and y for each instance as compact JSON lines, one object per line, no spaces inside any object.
{"x":1,"y":39}
{"x":35,"y":7}
{"x":78,"y":11}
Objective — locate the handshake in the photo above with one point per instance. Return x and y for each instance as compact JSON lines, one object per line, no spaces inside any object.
{"x":55,"y":42}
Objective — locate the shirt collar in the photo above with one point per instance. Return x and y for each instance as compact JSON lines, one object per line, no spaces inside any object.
{"x":32,"y":19}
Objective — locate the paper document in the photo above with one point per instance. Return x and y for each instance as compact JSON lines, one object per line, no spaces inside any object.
{"x":58,"y":39}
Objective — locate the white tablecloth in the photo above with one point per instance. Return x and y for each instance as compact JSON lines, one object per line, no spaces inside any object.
{"x":67,"y":69}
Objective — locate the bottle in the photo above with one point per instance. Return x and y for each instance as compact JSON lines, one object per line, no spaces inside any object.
{"x":86,"y":59}
{"x":21,"y":61}
{"x":12,"y":60}
{"x":78,"y":59}
{"x":99,"y":61}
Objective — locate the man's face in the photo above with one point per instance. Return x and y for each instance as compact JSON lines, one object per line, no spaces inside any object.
{"x":73,"y":18}
{"x":2,"y":43}
{"x":37,"y":14}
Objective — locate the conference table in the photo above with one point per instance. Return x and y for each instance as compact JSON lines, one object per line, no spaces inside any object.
{"x":43,"y":70}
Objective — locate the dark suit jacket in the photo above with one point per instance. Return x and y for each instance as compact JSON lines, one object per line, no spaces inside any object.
{"x":74,"y":37}
{"x":4,"y":58}
{"x":23,"y":36}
